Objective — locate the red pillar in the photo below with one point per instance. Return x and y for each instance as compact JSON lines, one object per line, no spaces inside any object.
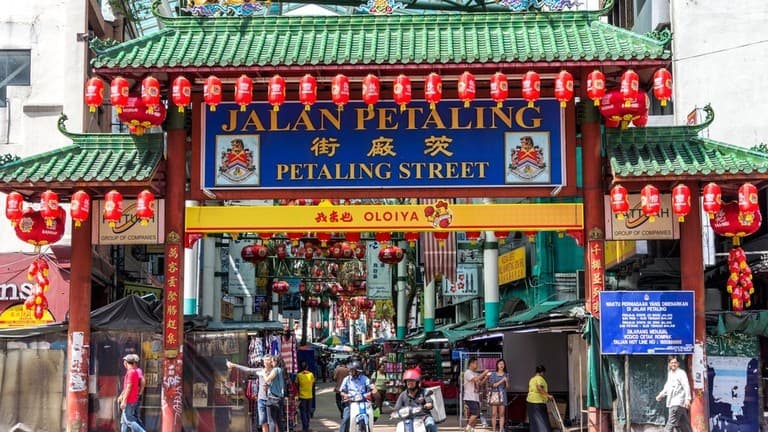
{"x":692,"y":279}
{"x":173,"y":310}
{"x":594,"y":225}
{"x":79,"y":331}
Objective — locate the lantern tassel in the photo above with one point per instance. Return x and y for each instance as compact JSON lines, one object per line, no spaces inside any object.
{"x":306,"y":107}
{"x":530,"y":104}
{"x":620,"y":216}
{"x":181,"y":108}
{"x":144,"y":222}
{"x":242,"y":108}
{"x":432,"y":106}
{"x":340,"y":108}
{"x":402,"y":107}
{"x":663,"y":102}
{"x":275,"y":108}
{"x":92,"y":108}
{"x":370,"y":107}
{"x":119,"y":109}
{"x":681,"y":218}
{"x":213,"y":107}
{"x":499,"y":104}
{"x":596,"y":102}
{"x":150,"y":109}
{"x":563,"y":104}
{"x":77,"y":223}
{"x":466,"y":104}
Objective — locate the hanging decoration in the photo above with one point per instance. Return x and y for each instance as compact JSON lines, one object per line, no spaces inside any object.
{"x":433,"y":89}
{"x":467,"y":88}
{"x":33,"y":229}
{"x":711,"y":199}
{"x":499,"y":88}
{"x":14,"y":207}
{"x":739,"y":284}
{"x":391,"y":255}
{"x":212,"y":92}
{"x":243,"y":91}
{"x":564,"y":88}
{"x":352,"y":237}
{"x":340,"y":91}
{"x":307,"y":91}
{"x":254,"y":253}
{"x":595,"y":86}
{"x":280,"y":287}
{"x":441,"y":237}
{"x":681,"y":201}
{"x":531,"y":235}
{"x":619,"y":201}
{"x":650,"y":202}
{"x":402,"y":91}
{"x":138,"y":119}
{"x":617,"y":114}
{"x":662,"y":86}
{"x":181,"y":92}
{"x":49,"y":206}
{"x":80,"y":207}
{"x":729,"y":221}
{"x":411,"y":237}
{"x":531,"y":87}
{"x":383,"y":237}
{"x":501,"y":236}
{"x":145,"y":206}
{"x":113,"y":207}
{"x":472,"y":236}
{"x":265,"y":236}
{"x":38,"y":274}
{"x":94,"y":93}
{"x":324,"y":238}
{"x":630,"y":86}
{"x":295,"y":237}
{"x":748,"y":203}
{"x":118,"y":93}
{"x":276,"y":92}
{"x":371,"y":90}
{"x":150,"y":93}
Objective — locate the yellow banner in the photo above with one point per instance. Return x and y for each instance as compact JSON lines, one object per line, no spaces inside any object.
{"x":512,"y":266}
{"x":417,"y":217}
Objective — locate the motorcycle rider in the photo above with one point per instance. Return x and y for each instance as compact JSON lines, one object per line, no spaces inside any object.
{"x":416,"y":397}
{"x":356,"y":385}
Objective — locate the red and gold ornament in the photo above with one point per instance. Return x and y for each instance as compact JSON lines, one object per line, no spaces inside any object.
{"x":564,"y":88}
{"x":630,"y":86}
{"x":113,"y":207}
{"x":650,"y":202}
{"x":711,"y":199}
{"x":181,"y":92}
{"x":49,"y":206}
{"x":531,"y":87}
{"x":243,"y":91}
{"x":14,"y":207}
{"x":401,"y":91}
{"x":145,"y":206}
{"x":212,"y":92}
{"x":276,"y":92}
{"x":150,"y":93}
{"x":307,"y":91}
{"x":80,"y":207}
{"x":619,"y":201}
{"x":662,"y":86}
{"x":118,"y":93}
{"x":371,"y":90}
{"x":433,"y":89}
{"x":499,"y":88}
{"x":340,"y":91}
{"x":681,"y":201}
{"x":94,"y":93}
{"x":595,"y":86}
{"x":467,"y":88}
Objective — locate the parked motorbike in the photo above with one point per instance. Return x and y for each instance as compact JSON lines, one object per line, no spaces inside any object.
{"x":360,"y":413}
{"x":411,"y":419}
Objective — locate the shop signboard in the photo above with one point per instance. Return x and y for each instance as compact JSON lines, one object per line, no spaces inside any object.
{"x":378,"y":275}
{"x":291,"y":301}
{"x":129,"y":229}
{"x":646,"y":322}
{"x":15,"y":288}
{"x":467,"y":283}
{"x":512,"y":266}
{"x":356,"y":148}
{"x":241,"y":280}
{"x":637,"y":226}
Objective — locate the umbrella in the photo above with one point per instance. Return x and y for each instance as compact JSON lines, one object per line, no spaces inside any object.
{"x":341,"y":348}
{"x":334,"y":340}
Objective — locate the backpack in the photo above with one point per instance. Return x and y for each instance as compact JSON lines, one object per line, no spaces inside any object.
{"x":252,"y":389}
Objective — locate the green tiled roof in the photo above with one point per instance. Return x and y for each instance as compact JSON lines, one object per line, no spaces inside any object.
{"x":469,"y":38}
{"x":678,"y":151}
{"x":92,"y":159}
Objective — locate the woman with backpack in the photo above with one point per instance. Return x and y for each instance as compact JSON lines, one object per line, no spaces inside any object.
{"x":270,"y":393}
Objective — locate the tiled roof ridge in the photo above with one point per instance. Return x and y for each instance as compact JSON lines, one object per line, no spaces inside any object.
{"x":94,"y":140}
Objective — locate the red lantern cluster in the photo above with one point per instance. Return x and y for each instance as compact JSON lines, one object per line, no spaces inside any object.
{"x":617,"y":113}
{"x":619,"y":201}
{"x":739,"y":284}
{"x":730,"y":222}
{"x":32,"y":229}
{"x":37,"y":302}
{"x":391,"y":255}
{"x":137,"y":117}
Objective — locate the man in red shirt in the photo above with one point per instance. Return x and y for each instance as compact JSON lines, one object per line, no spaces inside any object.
{"x":129,"y":398}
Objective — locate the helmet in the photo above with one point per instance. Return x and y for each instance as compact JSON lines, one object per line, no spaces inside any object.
{"x":411,"y":374}
{"x":355,"y":365}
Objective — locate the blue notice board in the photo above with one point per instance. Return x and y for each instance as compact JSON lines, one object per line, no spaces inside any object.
{"x":646,"y":322}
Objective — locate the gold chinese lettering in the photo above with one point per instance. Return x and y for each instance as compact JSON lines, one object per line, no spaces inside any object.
{"x":382,"y":146}
{"x":434,"y":145}
{"x":324,"y":146}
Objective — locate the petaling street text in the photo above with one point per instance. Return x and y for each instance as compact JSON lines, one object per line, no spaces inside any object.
{"x":385,"y":118}
{"x":382,"y":171}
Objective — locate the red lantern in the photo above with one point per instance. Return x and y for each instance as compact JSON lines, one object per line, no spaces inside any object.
{"x":150,"y":93}
{"x":145,"y":206}
{"x":531,"y":87}
{"x":359,"y":250}
{"x":662,"y":86}
{"x":280,"y":287}
{"x":433,"y":89}
{"x":118,"y":93}
{"x":595,"y":86}
{"x":243,"y":91}
{"x":307,"y":91}
{"x":730,"y":222}
{"x":276,"y":92}
{"x":711,"y":199}
{"x":113,"y":207}
{"x":265,"y":236}
{"x":531,"y":235}
{"x":441,"y":237}
{"x":295,"y":237}
{"x":681,"y":201}
{"x":212,"y":91}
{"x":340,"y":90}
{"x":619,"y":201}
{"x":49,"y":206}
{"x":254,"y":254}
{"x":352,"y":237}
{"x":33,"y":229}
{"x":402,"y":91}
{"x":391,"y":255}
{"x":371,"y":90}
{"x":499,"y":88}
{"x":14,"y":207}
{"x":383,"y":237}
{"x":138,"y":119}
{"x":640,"y":121}
{"x":472,"y":236}
{"x":467,"y":88}
{"x":309,"y":251}
{"x":630,"y":86}
{"x":80,"y":207}
{"x":411,"y":238}
{"x":94,"y":93}
{"x":181,"y":92}
{"x":748,"y":204}
{"x":324,"y":238}
{"x":650,"y":202}
{"x":616,"y":113}
{"x":564,"y":88}
{"x":501,"y":236}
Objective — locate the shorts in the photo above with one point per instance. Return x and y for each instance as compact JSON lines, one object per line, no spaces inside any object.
{"x":473,"y":407}
{"x":262,"y":409}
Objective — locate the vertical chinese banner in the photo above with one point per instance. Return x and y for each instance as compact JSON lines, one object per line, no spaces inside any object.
{"x":172,"y":294}
{"x":596,"y":274}
{"x":172,"y":337}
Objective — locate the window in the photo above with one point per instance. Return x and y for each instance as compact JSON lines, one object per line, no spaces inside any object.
{"x":14,"y":70}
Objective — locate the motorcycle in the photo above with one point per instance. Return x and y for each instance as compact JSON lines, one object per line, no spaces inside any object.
{"x":411,"y":419}
{"x":360,"y":413}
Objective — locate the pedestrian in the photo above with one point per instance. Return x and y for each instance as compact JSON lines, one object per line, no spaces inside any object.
{"x":472,"y":381}
{"x":499,"y":382}
{"x":538,"y":395}
{"x":678,"y":394}
{"x":414,"y":396}
{"x":355,"y":387}
{"x":305,"y":380}
{"x":339,"y":374}
{"x":270,"y":389}
{"x":129,"y":397}
{"x":379,"y":379}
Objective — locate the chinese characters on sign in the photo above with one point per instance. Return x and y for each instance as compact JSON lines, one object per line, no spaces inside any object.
{"x":512,"y":266}
{"x":596,"y":273}
{"x":172,"y":296}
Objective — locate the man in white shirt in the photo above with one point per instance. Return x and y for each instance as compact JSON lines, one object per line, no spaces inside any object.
{"x":678,"y":393}
{"x":473,"y":379}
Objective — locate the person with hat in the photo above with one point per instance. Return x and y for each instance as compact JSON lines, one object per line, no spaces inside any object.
{"x":129,"y":397}
{"x":355,"y":385}
{"x":414,"y":396}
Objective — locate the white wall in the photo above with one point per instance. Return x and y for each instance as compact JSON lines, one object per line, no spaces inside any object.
{"x":721,"y":55}
{"x":58,"y":62}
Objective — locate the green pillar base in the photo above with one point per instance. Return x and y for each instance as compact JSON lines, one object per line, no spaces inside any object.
{"x":190,"y":306}
{"x":401,"y":332}
{"x":491,"y":314}
{"x":429,"y":324}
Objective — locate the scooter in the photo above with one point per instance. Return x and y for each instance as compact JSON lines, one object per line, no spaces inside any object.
{"x":411,"y":419}
{"x":360,"y":413}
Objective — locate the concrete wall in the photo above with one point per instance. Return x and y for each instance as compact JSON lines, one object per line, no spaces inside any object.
{"x":720,"y":56}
